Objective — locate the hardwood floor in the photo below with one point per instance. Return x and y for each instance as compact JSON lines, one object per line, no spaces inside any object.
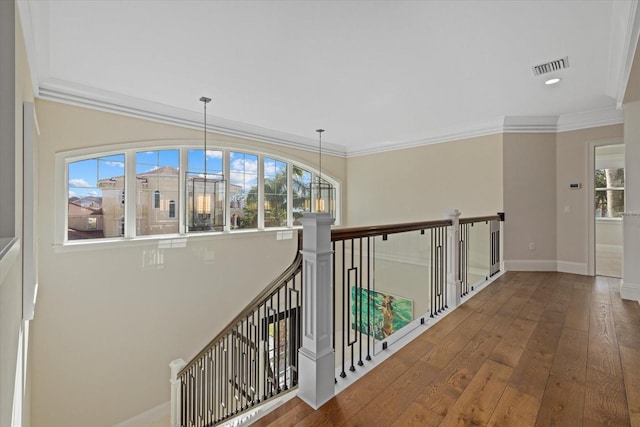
{"x":531,"y":349}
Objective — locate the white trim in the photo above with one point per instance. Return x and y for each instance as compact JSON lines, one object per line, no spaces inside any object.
{"x":508,"y":124}
{"x":146,"y":418}
{"x":64,"y":158}
{"x":590,"y":212}
{"x":248,"y":418}
{"x":88,"y":97}
{"x":29,"y":211}
{"x":530,"y":265}
{"x":630,"y":291}
{"x":530,"y":124}
{"x":26,"y":20}
{"x":573,"y":267}
{"x":590,"y":119}
{"x":436,"y":136}
{"x":629,"y":50}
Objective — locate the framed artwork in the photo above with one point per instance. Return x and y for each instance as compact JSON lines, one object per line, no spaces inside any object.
{"x":379,"y":314}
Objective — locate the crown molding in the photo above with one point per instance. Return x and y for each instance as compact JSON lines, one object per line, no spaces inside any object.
{"x":68,"y":93}
{"x":28,"y":34}
{"x":590,"y":119}
{"x":436,"y":136}
{"x":629,"y":50}
{"x":530,"y":124}
{"x":97,"y":99}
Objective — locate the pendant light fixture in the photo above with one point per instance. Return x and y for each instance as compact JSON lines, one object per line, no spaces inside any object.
{"x":324,"y":191}
{"x":205,"y":206}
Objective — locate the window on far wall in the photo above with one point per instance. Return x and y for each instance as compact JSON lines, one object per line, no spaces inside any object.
{"x":275,"y":193}
{"x":205,"y":191}
{"x":157,"y":182}
{"x":609,"y":185}
{"x":95,"y":206}
{"x":243,"y":180}
{"x":177,"y":190}
{"x":301,"y":190}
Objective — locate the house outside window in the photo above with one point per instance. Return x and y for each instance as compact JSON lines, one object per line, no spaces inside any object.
{"x":157,"y":181}
{"x":95,"y":188}
{"x":167,"y":191}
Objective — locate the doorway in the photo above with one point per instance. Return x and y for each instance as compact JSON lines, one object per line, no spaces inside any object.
{"x":609,"y":206}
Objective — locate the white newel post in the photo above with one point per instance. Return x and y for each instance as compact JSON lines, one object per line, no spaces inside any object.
{"x":453,"y":275}
{"x":316,"y":364}
{"x":176,"y":395}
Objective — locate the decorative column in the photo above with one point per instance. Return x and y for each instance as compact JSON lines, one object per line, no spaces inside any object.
{"x":176,"y":392}
{"x":316,"y":364}
{"x":454,"y":285}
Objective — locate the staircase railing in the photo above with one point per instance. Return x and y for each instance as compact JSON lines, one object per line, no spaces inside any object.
{"x":389,"y":279}
{"x":253,"y":359}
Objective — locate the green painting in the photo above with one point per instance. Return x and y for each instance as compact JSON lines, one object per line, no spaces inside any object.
{"x":379,"y":314}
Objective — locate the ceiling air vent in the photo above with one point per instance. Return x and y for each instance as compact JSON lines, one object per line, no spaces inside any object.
{"x":551,"y":66}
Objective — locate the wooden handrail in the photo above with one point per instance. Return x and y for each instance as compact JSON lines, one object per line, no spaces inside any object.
{"x":474,"y":219}
{"x":275,"y":284}
{"x":339,"y":233}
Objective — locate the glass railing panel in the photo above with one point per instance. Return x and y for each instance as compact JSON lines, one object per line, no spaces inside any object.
{"x":479,"y":252}
{"x":401,"y":282}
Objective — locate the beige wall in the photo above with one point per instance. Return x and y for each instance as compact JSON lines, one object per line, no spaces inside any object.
{"x":572,"y":153}
{"x":420,"y":184}
{"x":529,"y":198}
{"x":14,"y":393}
{"x":110,"y":317}
{"x":631,"y":224}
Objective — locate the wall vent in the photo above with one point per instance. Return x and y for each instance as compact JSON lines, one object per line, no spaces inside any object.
{"x":558,"y":64}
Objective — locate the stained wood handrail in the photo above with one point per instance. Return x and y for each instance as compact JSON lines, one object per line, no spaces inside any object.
{"x":475,"y":219}
{"x":339,"y":233}
{"x":274,"y":286}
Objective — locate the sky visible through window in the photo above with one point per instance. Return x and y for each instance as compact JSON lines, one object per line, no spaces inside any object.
{"x":85,"y":174}
{"x":196,"y":161}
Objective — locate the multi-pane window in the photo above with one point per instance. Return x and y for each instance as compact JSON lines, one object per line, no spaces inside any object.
{"x":157,"y":183}
{"x":243,"y":190}
{"x":95,"y":205}
{"x":609,"y":200}
{"x":205,"y":190}
{"x":301,"y":191}
{"x":169,"y":191}
{"x":275,"y":193}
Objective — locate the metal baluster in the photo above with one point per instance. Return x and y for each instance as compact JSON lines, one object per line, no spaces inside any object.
{"x":343,"y":374}
{"x":352,"y":368}
{"x":359,"y":297}
{"x":368,"y":293}
{"x":443,"y":267}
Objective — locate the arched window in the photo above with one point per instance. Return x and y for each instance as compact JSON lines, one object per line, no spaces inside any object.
{"x":172,"y":193}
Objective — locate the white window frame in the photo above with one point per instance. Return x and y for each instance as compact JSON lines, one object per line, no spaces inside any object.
{"x":63,"y":159}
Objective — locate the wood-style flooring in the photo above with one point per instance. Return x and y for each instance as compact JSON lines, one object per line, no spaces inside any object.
{"x":531,"y":349}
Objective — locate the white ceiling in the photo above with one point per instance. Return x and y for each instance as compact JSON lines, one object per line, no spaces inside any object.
{"x":375,"y":75}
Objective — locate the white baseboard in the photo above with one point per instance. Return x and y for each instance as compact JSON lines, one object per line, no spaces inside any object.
{"x":530,"y":265}
{"x":630,"y":291}
{"x":153,"y":417}
{"x":573,"y":267}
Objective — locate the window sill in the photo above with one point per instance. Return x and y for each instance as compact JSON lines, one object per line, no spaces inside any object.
{"x":166,"y":241}
{"x":605,"y":219}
